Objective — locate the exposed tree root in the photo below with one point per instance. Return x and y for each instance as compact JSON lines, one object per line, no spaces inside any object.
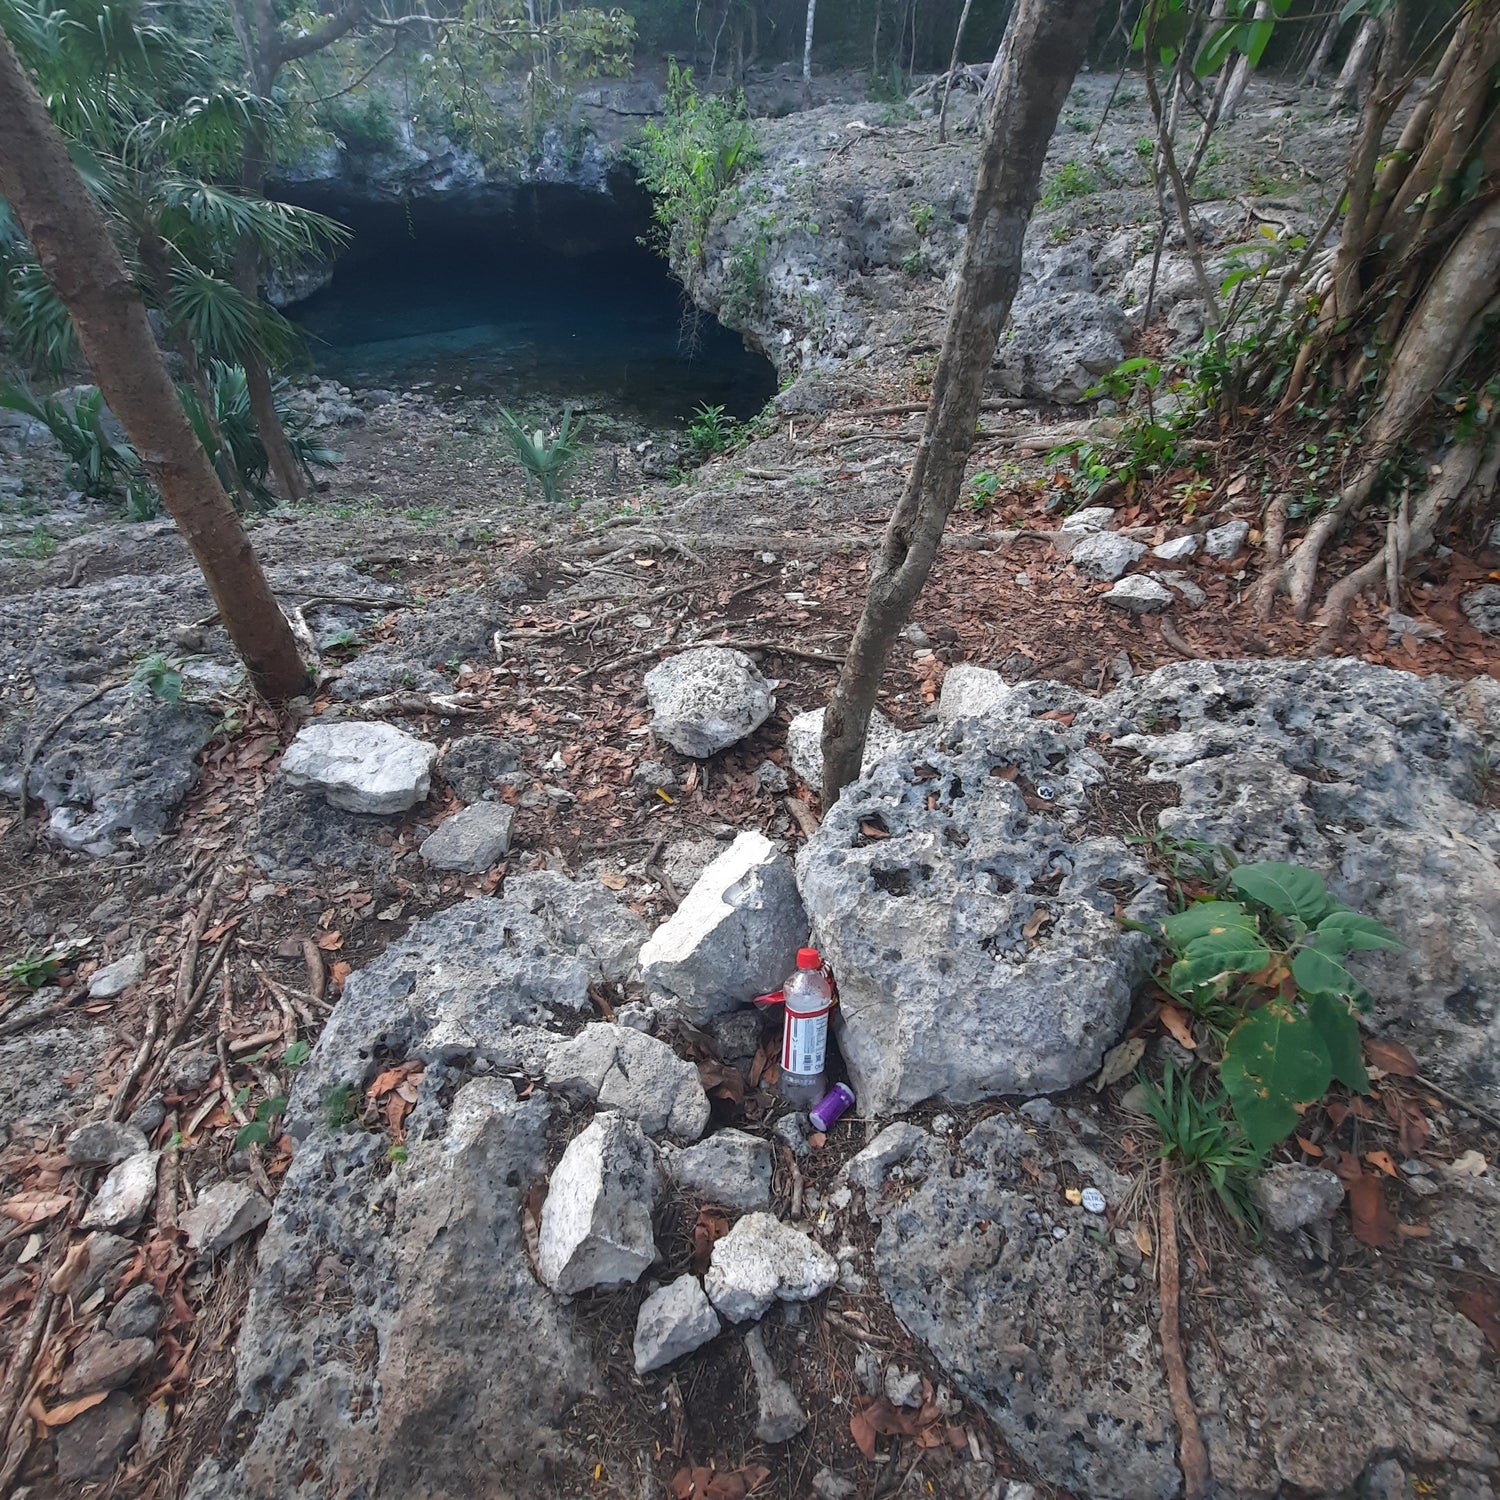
{"x":1192,"y":1455}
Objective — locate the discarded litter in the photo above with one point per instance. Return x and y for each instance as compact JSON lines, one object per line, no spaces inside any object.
{"x":808,"y":997}
{"x":1093,"y":1200}
{"x":832,"y":1106}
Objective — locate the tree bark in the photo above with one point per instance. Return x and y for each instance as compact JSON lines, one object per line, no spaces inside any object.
{"x":1044,"y":44}
{"x":1359,"y":66}
{"x":812,"y":10}
{"x":72,"y":242}
{"x":1319,"y":60}
{"x":1239,"y":78}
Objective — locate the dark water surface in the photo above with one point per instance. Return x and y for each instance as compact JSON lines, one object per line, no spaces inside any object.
{"x":541,"y":291}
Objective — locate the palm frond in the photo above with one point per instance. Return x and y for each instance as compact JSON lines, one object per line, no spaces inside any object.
{"x":286,"y":236}
{"x":40,"y":329}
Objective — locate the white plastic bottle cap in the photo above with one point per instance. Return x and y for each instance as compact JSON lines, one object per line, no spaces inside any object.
{"x":1093,"y":1200}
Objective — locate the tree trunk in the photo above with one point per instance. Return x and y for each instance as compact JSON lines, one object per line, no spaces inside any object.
{"x":1239,"y":79}
{"x":72,"y":241}
{"x":1044,"y":44}
{"x":958,"y":41}
{"x":1324,"y":51}
{"x":1359,"y":66}
{"x":812,"y":10}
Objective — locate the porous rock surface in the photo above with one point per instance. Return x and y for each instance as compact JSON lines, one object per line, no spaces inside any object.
{"x":1006,"y":1283}
{"x":704,"y":700}
{"x":626,"y":1070}
{"x":1370,"y":776}
{"x":359,"y":766}
{"x":804,"y":743}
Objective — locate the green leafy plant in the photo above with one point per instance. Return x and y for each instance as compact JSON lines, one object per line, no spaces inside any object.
{"x":1211,"y":1151}
{"x":1274,"y":956}
{"x":1071,"y":180}
{"x":103,"y":467}
{"x":545,"y":459}
{"x":983,"y":488}
{"x":267,"y":1113}
{"x":922,"y":217}
{"x":37,"y":967}
{"x":160,"y":676}
{"x":39,"y":546}
{"x":711,"y":431}
{"x":341,"y":1106}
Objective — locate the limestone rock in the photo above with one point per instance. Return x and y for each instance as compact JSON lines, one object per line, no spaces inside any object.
{"x":950,"y":984}
{"x":227,"y":1212}
{"x":1482,"y":606}
{"x":114,"y":979}
{"x":673,"y":1321}
{"x":476,"y":766}
{"x":869,"y":1168}
{"x":1180,"y":583}
{"x":760,"y":1260}
{"x":360,"y":767}
{"x":1140,"y":595}
{"x":430,"y":1293}
{"x":583,"y":917}
{"x":731,"y":1168}
{"x":1088,"y":518}
{"x":626,"y":1070}
{"x":104,"y":1363}
{"x":1291,"y":1196}
{"x":969,"y":690}
{"x":735,"y":935}
{"x":92,"y":1444}
{"x":779,"y":1417}
{"x":125,"y":1195}
{"x":804,"y":744}
{"x":1224,"y":542}
{"x":137,"y":1315}
{"x":1105,"y":555}
{"x":1059,"y":344}
{"x":471,"y":840}
{"x":102,"y":1143}
{"x":1179,"y":549}
{"x":596,"y":1222}
{"x":704,"y":700}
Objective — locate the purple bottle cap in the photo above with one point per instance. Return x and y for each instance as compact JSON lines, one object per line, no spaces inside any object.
{"x":831,"y":1106}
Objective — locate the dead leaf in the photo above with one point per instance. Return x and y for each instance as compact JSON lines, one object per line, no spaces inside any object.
{"x":1470,"y":1164}
{"x":337,"y":974}
{"x":1308,"y":1146}
{"x":1176,"y":1021}
{"x":34,"y":1207}
{"x":1381,"y":1161}
{"x":1390,"y":1057}
{"x":1370,"y":1215}
{"x":711,"y":1227}
{"x":330,"y":942}
{"x":1142,"y":1232}
{"x":1120,"y":1062}
{"x":613,"y":881}
{"x":1482,"y":1309}
{"x":873,"y":829}
{"x":862,"y":1430}
{"x":1059,"y":716}
{"x":1040,"y":918}
{"x":60,"y":1416}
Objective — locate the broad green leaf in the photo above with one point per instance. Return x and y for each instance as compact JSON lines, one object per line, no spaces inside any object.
{"x":1205,"y":917}
{"x":1322,"y":971}
{"x":1254,"y":45}
{"x":1230,"y":950}
{"x":1335,"y":1023}
{"x":253,"y":1134}
{"x":1214,"y":51}
{"x":296,"y":1054}
{"x":1356,"y":931}
{"x":1274,"y":1060}
{"x":1289,"y":889}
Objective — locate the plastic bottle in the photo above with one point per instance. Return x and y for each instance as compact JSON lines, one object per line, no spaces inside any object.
{"x":804,"y":1036}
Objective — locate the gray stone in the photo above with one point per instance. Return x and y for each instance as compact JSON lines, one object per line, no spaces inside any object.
{"x":584,"y":917}
{"x":225,"y":1213}
{"x":299,"y":836}
{"x":943,"y":992}
{"x":125,"y":1195}
{"x":769,"y":777}
{"x":969,"y":690}
{"x":1179,"y":549}
{"x":779,"y":1417}
{"x":1291,"y":1196}
{"x":735,"y":936}
{"x":360,"y":767}
{"x":102,"y":1143}
{"x":114,"y":979}
{"x":897,"y":1143}
{"x":596,"y":1222}
{"x":477,"y":766}
{"x":1105,"y":555}
{"x":92,"y":1444}
{"x":1482,"y":606}
{"x":704,"y":700}
{"x":830,"y":1486}
{"x":137,"y":1315}
{"x":731,"y":1168}
{"x":382,"y":1295}
{"x":673,"y":1321}
{"x":1180,"y":583}
{"x":1006,"y":1287}
{"x":684,"y":860}
{"x":804,"y":744}
{"x":1139,"y":595}
{"x":761,"y":1260}
{"x":1384,"y":1481}
{"x":1088,"y":518}
{"x":652,"y":776}
{"x":1059,"y":344}
{"x":903,"y":1387}
{"x":104,"y":1363}
{"x":459,"y":626}
{"x":627,"y":1070}
{"x":471,"y":840}
{"x":1224,"y":542}
{"x":106,"y":1259}
{"x":116,"y":769}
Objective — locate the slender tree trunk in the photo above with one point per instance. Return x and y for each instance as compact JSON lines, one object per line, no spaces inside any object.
{"x":72,"y":241}
{"x":1239,"y":78}
{"x":1326,"y":43}
{"x":1044,"y":44}
{"x":958,"y":41}
{"x":1359,"y":66}
{"x":812,"y":10}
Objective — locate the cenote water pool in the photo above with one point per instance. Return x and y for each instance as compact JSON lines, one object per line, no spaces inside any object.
{"x":537,"y":291}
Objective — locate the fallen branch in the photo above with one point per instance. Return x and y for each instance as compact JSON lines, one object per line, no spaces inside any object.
{"x":1193,"y":1456}
{"x":802,"y":815}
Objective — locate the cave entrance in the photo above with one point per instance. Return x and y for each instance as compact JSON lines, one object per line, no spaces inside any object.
{"x":517,"y":292}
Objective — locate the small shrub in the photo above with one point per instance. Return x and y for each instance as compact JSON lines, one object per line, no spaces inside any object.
{"x":1208,"y":1147}
{"x":1071,"y":180}
{"x":710,"y":432}
{"x":545,"y":459}
{"x":922,"y":219}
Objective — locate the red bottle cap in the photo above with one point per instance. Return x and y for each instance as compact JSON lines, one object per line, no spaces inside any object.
{"x":807,"y":958}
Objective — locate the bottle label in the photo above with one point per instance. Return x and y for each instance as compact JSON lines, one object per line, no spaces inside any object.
{"x":804,"y":1044}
